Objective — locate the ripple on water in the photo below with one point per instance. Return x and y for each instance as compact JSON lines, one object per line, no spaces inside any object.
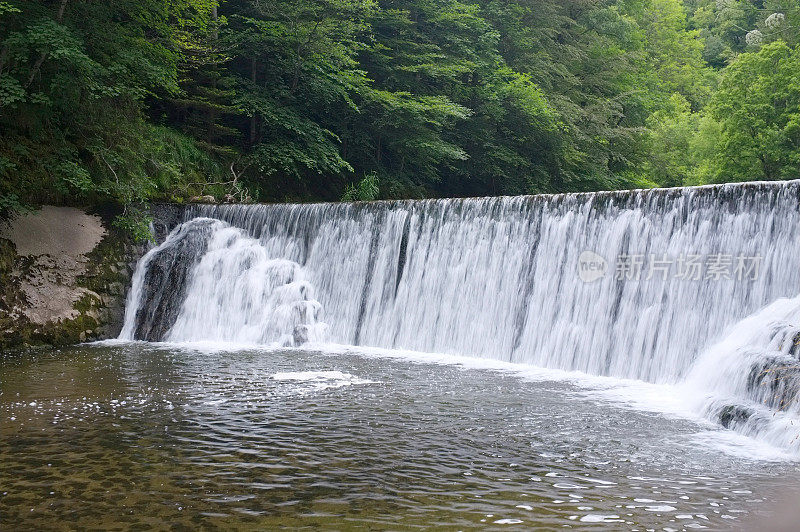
{"x":126,"y":436}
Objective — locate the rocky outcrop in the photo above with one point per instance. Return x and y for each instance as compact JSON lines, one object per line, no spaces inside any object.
{"x":63,"y":277}
{"x":166,"y":279}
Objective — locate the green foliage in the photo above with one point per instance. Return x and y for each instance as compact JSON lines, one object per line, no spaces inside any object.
{"x":135,"y":223}
{"x":671,"y":152}
{"x":365,"y":190}
{"x":758,"y":110}
{"x":9,"y":204}
{"x":674,"y":52}
{"x":75,"y":78}
{"x":136,"y":100}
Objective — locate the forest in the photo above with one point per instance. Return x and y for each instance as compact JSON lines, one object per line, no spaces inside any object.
{"x":129,"y":101}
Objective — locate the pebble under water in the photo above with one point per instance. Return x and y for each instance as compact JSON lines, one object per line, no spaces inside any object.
{"x":147,"y":436}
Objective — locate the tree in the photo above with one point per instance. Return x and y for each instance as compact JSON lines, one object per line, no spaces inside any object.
{"x":758,"y":109}
{"x":296,"y":100}
{"x":74,"y":76}
{"x":297,"y":76}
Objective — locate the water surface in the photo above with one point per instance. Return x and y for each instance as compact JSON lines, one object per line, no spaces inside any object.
{"x":147,"y":435}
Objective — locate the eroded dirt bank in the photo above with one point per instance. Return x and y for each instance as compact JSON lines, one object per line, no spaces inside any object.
{"x":63,"y":277}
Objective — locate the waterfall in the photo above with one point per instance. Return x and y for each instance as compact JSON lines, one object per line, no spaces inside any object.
{"x":209,"y":281}
{"x":749,"y":381}
{"x":630,"y":284}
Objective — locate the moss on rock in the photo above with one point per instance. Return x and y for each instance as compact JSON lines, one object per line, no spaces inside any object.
{"x":96,"y":289}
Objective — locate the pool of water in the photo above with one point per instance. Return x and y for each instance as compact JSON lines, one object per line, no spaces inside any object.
{"x":153,"y":436}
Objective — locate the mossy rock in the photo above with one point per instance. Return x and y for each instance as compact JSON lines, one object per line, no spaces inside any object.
{"x":99,"y":310}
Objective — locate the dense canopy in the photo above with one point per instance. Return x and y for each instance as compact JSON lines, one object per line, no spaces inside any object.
{"x":299,"y":100}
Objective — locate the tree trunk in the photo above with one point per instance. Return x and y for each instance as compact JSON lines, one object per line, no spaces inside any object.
{"x":38,"y":64}
{"x":253,"y":118}
{"x":215,"y":18}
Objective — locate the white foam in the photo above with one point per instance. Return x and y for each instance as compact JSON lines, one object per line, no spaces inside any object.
{"x":237,"y":291}
{"x":597,"y":518}
{"x":319,"y":380}
{"x":735,"y":444}
{"x":317,"y":376}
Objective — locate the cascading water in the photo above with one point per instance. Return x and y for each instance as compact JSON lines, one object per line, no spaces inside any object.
{"x":492,"y":277}
{"x":750,"y":380}
{"x":208,"y":281}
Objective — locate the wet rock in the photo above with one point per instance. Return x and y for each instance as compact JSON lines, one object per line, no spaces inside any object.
{"x":732,"y":415}
{"x":300,"y":335}
{"x":116,"y":288}
{"x":165,"y":281}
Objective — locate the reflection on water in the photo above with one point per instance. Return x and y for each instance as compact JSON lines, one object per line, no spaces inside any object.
{"x":148,"y":436}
